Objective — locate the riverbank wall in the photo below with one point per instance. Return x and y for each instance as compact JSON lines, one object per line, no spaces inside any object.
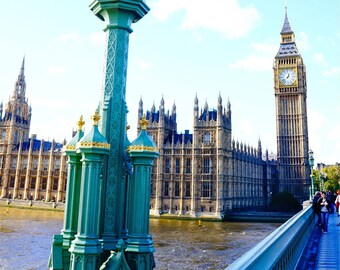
{"x":249,"y":216}
{"x":31,"y":204}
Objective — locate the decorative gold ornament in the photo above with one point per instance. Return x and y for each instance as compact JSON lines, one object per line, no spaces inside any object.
{"x":143,"y":122}
{"x":142,"y":148}
{"x":94,"y":144}
{"x":95,"y":118}
{"x":80,"y":123}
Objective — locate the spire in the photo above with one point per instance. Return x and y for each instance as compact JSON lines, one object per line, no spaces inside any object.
{"x":20,"y":84}
{"x":206,"y":105}
{"x":140,"y":108}
{"x":173,"y":111}
{"x":22,"y":70}
{"x":153,"y":108}
{"x":286,"y":26}
{"x":219,"y":100}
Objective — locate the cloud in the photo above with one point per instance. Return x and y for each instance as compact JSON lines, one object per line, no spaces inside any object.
{"x":68,"y":37}
{"x":144,"y":65}
{"x":227,"y":18}
{"x":57,"y":70}
{"x":260,"y":60}
{"x":98,"y":38}
{"x":319,"y":58}
{"x":334,"y":71}
{"x":302,"y":43}
{"x":50,"y":103}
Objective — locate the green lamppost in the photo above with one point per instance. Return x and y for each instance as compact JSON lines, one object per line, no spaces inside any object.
{"x":86,"y":247}
{"x":118,"y":16}
{"x":139,"y":245}
{"x":60,"y":255}
{"x":322,"y":176}
{"x":311,"y":165}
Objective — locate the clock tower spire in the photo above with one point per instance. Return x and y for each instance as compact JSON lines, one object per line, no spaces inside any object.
{"x":291,"y":115}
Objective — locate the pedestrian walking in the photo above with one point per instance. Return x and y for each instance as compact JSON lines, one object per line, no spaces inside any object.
{"x":325,"y":206}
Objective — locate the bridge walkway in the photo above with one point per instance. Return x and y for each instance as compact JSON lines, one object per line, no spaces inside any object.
{"x":328,"y":256}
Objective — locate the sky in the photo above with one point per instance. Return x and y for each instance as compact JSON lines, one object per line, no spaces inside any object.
{"x":179,"y":49}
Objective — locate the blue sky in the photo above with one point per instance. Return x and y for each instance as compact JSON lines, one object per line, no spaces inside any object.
{"x":182,"y":47}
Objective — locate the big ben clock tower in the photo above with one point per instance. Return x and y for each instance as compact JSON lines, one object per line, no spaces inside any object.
{"x":291,"y":116}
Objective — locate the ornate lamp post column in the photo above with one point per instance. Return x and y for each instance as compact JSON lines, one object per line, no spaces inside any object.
{"x":60,"y":255}
{"x":86,"y":247}
{"x":118,"y":15}
{"x":311,"y":164}
{"x":139,"y":246}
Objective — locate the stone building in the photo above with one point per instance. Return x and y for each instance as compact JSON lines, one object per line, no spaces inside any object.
{"x":29,"y":168}
{"x":205,"y":173}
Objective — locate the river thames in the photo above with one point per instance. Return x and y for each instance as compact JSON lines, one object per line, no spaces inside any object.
{"x":26,"y":236}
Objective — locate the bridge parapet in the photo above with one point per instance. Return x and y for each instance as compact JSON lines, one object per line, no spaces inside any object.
{"x":282,"y":249}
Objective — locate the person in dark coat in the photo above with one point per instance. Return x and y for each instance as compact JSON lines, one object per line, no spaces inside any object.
{"x":325,"y":206}
{"x":316,"y":206}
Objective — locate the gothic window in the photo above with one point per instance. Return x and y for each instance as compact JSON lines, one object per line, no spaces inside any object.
{"x":33,"y":182}
{"x":206,"y":165}
{"x":177,"y":189}
{"x":44,"y":183}
{"x":11,"y":182}
{"x":166,"y":188}
{"x":3,"y":135}
{"x":188,"y":166}
{"x":206,"y":189}
{"x":167,"y":165}
{"x":55,"y":184}
{"x":24,"y":163}
{"x":57,"y":164}
{"x":178,"y":162}
{"x":22,"y":182}
{"x":35,"y":164}
{"x":187,"y":189}
{"x":14,"y":163}
{"x":206,"y":138}
{"x":45,"y":164}
{"x":15,"y":137}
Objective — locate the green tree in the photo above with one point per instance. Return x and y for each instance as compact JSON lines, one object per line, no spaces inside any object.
{"x":332,"y":178}
{"x":317,"y":182}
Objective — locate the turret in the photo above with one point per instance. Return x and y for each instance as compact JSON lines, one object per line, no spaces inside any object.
{"x":219,"y":104}
{"x":195,"y":108}
{"x":140,"y":108}
{"x":173,"y":112}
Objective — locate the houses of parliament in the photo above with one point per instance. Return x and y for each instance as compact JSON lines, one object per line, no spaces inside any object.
{"x":200,"y":174}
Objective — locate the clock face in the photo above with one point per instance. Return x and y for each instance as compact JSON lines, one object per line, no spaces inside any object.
{"x":287,"y":76}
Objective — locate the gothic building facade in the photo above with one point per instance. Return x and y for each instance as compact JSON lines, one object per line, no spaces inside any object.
{"x":29,"y":168}
{"x":205,"y":173}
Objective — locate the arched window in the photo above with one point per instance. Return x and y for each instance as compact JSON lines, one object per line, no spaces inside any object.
{"x":3,"y":135}
{"x":206,"y":137}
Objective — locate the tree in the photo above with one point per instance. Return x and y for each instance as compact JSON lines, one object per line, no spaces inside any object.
{"x":332,"y":180}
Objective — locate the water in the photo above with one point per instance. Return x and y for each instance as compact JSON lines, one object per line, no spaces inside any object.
{"x":26,"y":236}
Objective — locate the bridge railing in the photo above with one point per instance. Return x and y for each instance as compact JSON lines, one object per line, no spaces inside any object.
{"x":281,"y":249}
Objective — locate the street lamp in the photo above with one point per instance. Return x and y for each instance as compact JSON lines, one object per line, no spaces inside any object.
{"x":311,"y":165}
{"x":322,"y":176}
